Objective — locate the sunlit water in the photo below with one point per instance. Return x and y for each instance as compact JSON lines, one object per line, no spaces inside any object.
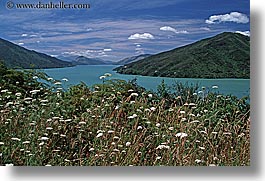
{"x":90,"y":74}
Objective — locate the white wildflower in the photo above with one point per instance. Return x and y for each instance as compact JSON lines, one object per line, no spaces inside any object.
{"x":99,"y":135}
{"x":215,"y":87}
{"x":26,"y":142}
{"x":158,"y":124}
{"x":139,"y":127}
{"x":133,"y":116}
{"x":44,"y":138}
{"x":152,"y":108}
{"x":82,"y":122}
{"x":128,"y":143}
{"x":134,"y":94}
{"x":198,"y":161}
{"x":181,"y":135}
{"x":65,"y":79}
{"x":182,"y":112}
{"x":160,"y":147}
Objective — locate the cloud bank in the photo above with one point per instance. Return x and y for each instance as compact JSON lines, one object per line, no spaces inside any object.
{"x":169,"y":28}
{"x":246,"y":33}
{"x":144,"y":36}
{"x":235,"y":17}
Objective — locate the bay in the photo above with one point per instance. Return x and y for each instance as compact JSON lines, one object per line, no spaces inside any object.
{"x":90,"y":74}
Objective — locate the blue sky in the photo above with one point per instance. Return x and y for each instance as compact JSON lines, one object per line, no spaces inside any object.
{"x":115,"y":29}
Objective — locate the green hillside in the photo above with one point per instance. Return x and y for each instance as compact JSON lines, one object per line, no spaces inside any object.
{"x":15,"y":56}
{"x":226,"y":55}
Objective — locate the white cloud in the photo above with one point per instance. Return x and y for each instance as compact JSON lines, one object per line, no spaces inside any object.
{"x":168,"y":28}
{"x":24,"y":35}
{"x":246,"y":33}
{"x":107,"y":49}
{"x":235,"y":17}
{"x":144,"y":36}
{"x":205,"y":28}
{"x":20,"y":43}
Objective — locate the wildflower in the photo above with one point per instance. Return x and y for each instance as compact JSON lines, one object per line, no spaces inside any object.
{"x":182,"y":112}
{"x":62,"y":135}
{"x":113,"y":143}
{"x":215,"y":87}
{"x":152,"y":108}
{"x":57,"y":83}
{"x":147,"y":110}
{"x":49,"y":128}
{"x":117,"y":107}
{"x":44,"y":138}
{"x":116,"y":137}
{"x":99,"y":135}
{"x":9,"y":164}
{"x":100,"y":131}
{"x":48,"y":165}
{"x":181,"y":135}
{"x":91,"y":149}
{"x":128,"y":143}
{"x":49,"y":79}
{"x":212,"y":165}
{"x":198,"y":161}
{"x":134,"y":94}
{"x":34,"y":91}
{"x":65,"y":79}
{"x":2,"y":143}
{"x":160,"y":147}
{"x":170,"y":109}
{"x":171,"y":128}
{"x":15,"y":139}
{"x":150,"y":95}
{"x":4,"y":91}
{"x":82,"y":122}
{"x":102,"y":77}
{"x":18,"y":94}
{"x":158,"y":158}
{"x":158,"y":124}
{"x":110,"y":131}
{"x":26,"y":142}
{"x":116,"y":150}
{"x":42,"y":143}
{"x":227,"y":133}
{"x":202,"y":148}
{"x":195,"y":121}
{"x":107,"y":75}
{"x":139,"y":127}
{"x":35,"y":77}
{"x":130,"y":90}
{"x":203,"y":132}
{"x":133,"y":116}
{"x":132,"y":102}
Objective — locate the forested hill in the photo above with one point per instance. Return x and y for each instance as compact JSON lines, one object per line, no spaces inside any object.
{"x":14,"y":56}
{"x":226,"y":55}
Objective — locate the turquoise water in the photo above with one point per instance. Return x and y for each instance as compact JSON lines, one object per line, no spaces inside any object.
{"x":90,"y":75}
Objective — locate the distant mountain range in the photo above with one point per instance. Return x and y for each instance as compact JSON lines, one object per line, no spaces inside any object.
{"x":226,"y":55}
{"x":14,"y":56}
{"x":132,"y":59}
{"x":82,"y":60}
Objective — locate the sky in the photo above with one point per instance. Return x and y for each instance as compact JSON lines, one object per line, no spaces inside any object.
{"x":116,"y":29}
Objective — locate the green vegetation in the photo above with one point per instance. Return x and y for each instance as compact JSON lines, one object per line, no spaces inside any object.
{"x":15,"y":56}
{"x":132,"y":59}
{"x":226,"y":55}
{"x":118,"y":123}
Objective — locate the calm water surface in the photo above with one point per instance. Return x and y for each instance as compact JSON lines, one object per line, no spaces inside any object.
{"x":90,"y":75}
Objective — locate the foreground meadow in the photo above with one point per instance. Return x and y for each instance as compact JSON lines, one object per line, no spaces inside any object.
{"x":118,"y":123}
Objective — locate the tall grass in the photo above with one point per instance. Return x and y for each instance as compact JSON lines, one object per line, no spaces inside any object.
{"x":120,"y":123}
